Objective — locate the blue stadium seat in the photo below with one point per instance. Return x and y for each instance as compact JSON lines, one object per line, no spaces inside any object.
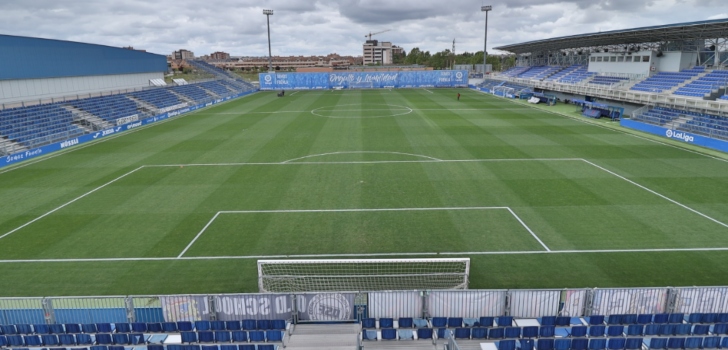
{"x":185,"y":326}
{"x":658,"y":343}
{"x":676,"y":318}
{"x":579,"y":331}
{"x":693,"y":343}
{"x":614,"y":319}
{"x":504,"y":321}
{"x":175,"y":347}
{"x":189,"y":337}
{"x":711,"y":342}
{"x":443,"y":333}
{"x":263,"y":324}
{"x":709,"y":318}
{"x":676,"y":343}
{"x":452,"y":322}
{"x":530,"y":331}
{"x":256,"y":336}
{"x":421,"y":323}
{"x":15,"y":340}
{"x":652,"y":329}
{"x":205,"y":337}
{"x":116,"y":347}
{"x":266,"y":347}
{"x":67,"y":339}
{"x":189,"y":347}
{"x":24,"y":328}
{"x":666,"y":329}
{"x":597,"y":344}
{"x":660,"y":318}
{"x":226,"y":347}
{"x":50,"y":340}
{"x":724,"y":343}
{"x":250,"y":325}
{"x":644,"y":318}
{"x":546,"y":331}
{"x":155,"y":347}
{"x":274,"y":335}
{"x":122,"y":327}
{"x":462,"y":333}
{"x":629,"y":319}
{"x":239,"y":336}
{"x":424,"y":333}
{"x":72,"y":328}
{"x":507,"y":345}
{"x":682,"y":329}
{"x":616,"y":343}
{"x":153,"y":327}
{"x":139,"y":327}
{"x":439,"y":322}
{"x":526,"y":344}
{"x":104,"y":327}
{"x":202,"y":325}
{"x":389,"y":333}
{"x":368,"y":323}
{"x":479,"y":333}
{"x":695,"y":317}
{"x":635,"y":329}
{"x":84,"y":339}
{"x":563,"y":321}
{"x":121,"y":339}
{"x":596,"y":320}
{"x":470,"y":322}
{"x":405,"y":322}
{"x":513,"y":332}
{"x":32,"y":340}
{"x":3,"y":341}
{"x":169,"y":327}
{"x":104,"y":339}
{"x":486,"y":321}
{"x":633,"y":344}
{"x":720,"y":328}
{"x":99,"y":347}
{"x":233,"y":325}
{"x":562,"y":344}
{"x":209,"y":347}
{"x":701,"y":329}
{"x":579,"y":344}
{"x":223,"y":337}
{"x":41,"y":329}
{"x":597,"y":331}
{"x":496,"y":333}
{"x":615,"y":331}
{"x":544,"y":344}
{"x":137,"y":338}
{"x":547,"y":321}
{"x":217,"y":325}
{"x":246,"y":347}
{"x":386,"y":322}
{"x":722,"y":318}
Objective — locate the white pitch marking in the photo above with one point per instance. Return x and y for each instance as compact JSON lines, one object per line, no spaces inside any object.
{"x":362,"y":152}
{"x":242,"y":257}
{"x":198,"y":235}
{"x":428,"y":91}
{"x":657,"y":194}
{"x":373,"y":162}
{"x":294,"y":93}
{"x":528,"y":229}
{"x":72,"y":201}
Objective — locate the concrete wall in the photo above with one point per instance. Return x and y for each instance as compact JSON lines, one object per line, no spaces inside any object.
{"x":634,"y":63}
{"x":676,"y":61}
{"x":36,"y":89}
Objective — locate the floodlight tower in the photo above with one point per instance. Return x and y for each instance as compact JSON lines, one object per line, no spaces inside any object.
{"x":485,"y":45}
{"x":267,"y":14}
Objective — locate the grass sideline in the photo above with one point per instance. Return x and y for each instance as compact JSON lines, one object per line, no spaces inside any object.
{"x":352,"y":153}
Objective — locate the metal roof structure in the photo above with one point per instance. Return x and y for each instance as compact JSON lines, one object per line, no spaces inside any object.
{"x":701,"y":30}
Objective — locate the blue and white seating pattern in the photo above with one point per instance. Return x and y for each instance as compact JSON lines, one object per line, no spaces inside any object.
{"x":664,"y":81}
{"x":563,"y":73}
{"x":699,"y":123}
{"x":607,"y":80}
{"x":109,"y":108}
{"x":38,"y":124}
{"x":160,"y":98}
{"x":705,"y":85}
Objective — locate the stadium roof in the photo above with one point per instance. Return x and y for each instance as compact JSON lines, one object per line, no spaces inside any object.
{"x":671,"y":32}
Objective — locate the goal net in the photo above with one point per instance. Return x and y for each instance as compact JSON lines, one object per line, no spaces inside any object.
{"x":361,"y":85}
{"x":286,"y":276}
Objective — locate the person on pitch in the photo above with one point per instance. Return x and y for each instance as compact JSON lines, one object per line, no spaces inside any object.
{"x":458,"y":96}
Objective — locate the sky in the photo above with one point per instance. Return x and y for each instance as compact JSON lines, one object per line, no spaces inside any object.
{"x":321,"y":27}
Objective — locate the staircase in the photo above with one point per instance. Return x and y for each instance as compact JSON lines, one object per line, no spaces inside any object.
{"x":686,"y":82}
{"x":8,"y":147}
{"x":324,"y":337}
{"x":86,"y":120}
{"x":183,"y":97}
{"x":144,"y":106}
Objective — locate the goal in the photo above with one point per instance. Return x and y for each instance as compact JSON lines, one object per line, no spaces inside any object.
{"x":361,"y":85}
{"x":286,"y":276}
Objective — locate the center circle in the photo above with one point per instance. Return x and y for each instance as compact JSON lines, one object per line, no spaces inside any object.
{"x":357,"y":111}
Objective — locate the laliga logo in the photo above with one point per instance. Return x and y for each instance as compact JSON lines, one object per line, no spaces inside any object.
{"x":268,"y":78}
{"x":459,"y":75}
{"x":679,"y":135}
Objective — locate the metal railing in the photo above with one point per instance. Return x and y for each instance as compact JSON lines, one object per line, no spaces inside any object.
{"x":352,"y":306}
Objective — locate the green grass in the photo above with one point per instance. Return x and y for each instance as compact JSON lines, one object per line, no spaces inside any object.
{"x":591,"y":193}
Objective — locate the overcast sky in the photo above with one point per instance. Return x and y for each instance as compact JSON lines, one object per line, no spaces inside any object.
{"x":327,"y":26}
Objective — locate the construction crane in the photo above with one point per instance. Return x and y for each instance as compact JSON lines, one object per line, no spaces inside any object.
{"x":372,"y":34}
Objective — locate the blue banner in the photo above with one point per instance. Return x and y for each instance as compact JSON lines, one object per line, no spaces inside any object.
{"x":36,"y":152}
{"x":406,"y":79}
{"x":694,"y":139}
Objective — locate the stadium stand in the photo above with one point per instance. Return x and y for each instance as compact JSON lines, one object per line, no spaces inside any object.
{"x":36,"y":125}
{"x":160,"y":98}
{"x":665,"y":81}
{"x":576,"y":76}
{"x":109,"y":108}
{"x":705,"y":85}
{"x":607,"y":80}
{"x":566,"y":71}
{"x":695,"y":122}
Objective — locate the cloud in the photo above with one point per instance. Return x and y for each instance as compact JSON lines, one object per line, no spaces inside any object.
{"x":319,"y":27}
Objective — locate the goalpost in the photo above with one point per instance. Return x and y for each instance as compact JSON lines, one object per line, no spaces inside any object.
{"x":286,"y":276}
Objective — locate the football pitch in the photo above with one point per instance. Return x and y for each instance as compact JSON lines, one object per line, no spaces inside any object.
{"x":535,"y":199}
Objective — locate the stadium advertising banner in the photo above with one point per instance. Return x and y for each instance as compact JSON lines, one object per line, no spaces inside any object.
{"x":363,"y":80}
{"x":40,"y":151}
{"x":314,"y":307}
{"x":676,"y":135}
